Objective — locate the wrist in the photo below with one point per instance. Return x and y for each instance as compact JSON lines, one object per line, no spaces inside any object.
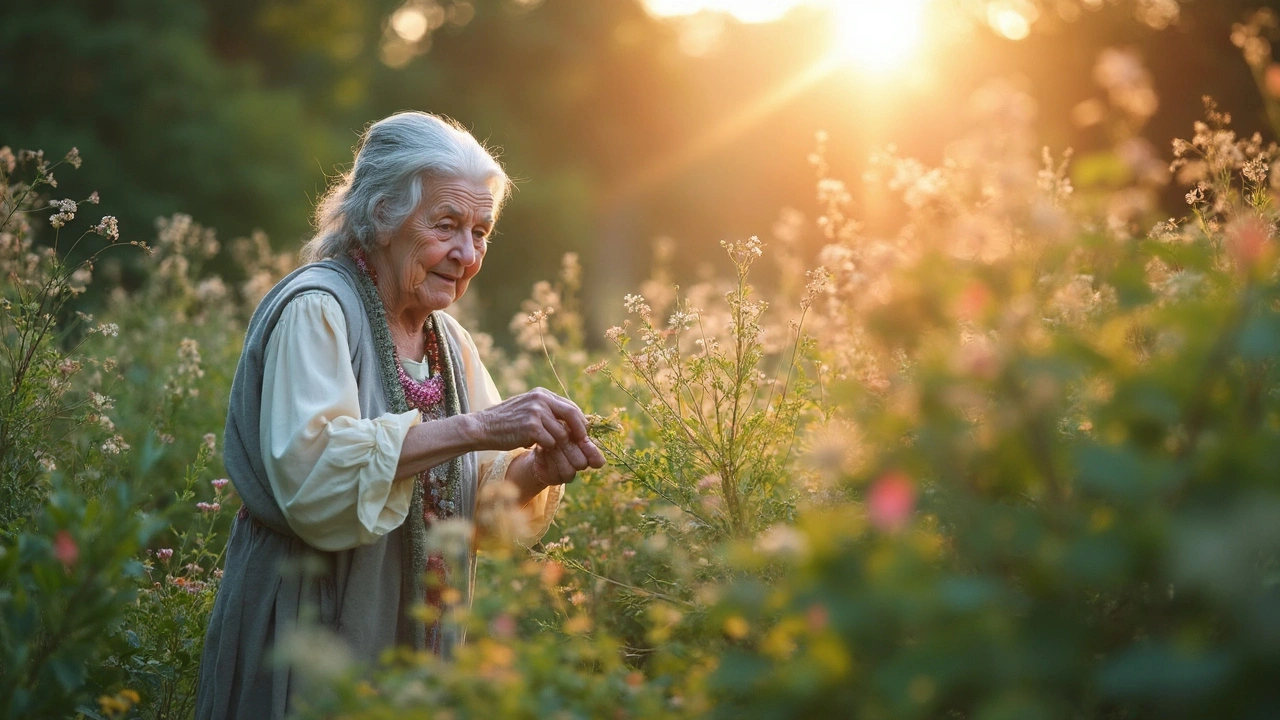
{"x":536,"y":474}
{"x":471,"y":431}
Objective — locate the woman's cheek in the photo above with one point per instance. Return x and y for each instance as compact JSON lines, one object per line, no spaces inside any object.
{"x":416,"y":276}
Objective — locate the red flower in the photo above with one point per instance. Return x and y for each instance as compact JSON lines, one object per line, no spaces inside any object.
{"x":65,"y":549}
{"x":891,"y":500}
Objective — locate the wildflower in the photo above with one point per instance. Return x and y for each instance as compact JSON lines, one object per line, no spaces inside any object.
{"x":571,"y":269}
{"x":164,"y":553}
{"x":596,"y":367}
{"x":65,"y":549}
{"x":890,"y":501}
{"x":635,"y":304}
{"x":118,"y":704}
{"x":7,"y":161}
{"x":817,"y":617}
{"x":614,"y":333}
{"x":551,"y":573}
{"x":628,"y":554}
{"x":68,"y":367}
{"x":782,"y":540}
{"x":578,"y":598}
{"x":107,"y":329}
{"x":681,"y":319}
{"x":211,"y":290}
{"x":93,"y":198}
{"x":66,"y":212}
{"x":205,"y":507}
{"x":108,"y":228}
{"x":100,"y":402}
{"x":503,"y":626}
{"x":219,"y":483}
{"x":449,"y":537}
{"x":736,"y":628}
{"x":114,"y":445}
{"x":46,"y":462}
{"x":73,"y":157}
{"x":1248,"y":239}
{"x":211,"y":441}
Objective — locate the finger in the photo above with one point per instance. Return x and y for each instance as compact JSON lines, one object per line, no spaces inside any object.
{"x":570,"y":414}
{"x":594,"y":457}
{"x":564,"y":471}
{"x":555,"y":428}
{"x":574,"y":456}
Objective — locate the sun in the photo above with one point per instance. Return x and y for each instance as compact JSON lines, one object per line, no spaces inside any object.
{"x":875,"y":35}
{"x":878,"y":35}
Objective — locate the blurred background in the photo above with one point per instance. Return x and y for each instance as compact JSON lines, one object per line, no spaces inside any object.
{"x":624,"y":120}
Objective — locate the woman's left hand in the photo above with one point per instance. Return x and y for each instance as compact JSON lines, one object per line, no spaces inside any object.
{"x":559,"y":464}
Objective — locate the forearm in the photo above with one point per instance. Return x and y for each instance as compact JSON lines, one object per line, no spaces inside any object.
{"x":430,"y":443}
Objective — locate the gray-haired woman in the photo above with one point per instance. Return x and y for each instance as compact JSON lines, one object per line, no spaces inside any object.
{"x":361,"y":417}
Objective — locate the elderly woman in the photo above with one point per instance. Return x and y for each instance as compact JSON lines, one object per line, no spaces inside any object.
{"x":361,"y":417}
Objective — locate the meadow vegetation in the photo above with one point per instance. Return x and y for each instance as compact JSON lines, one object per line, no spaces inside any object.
{"x":1016,"y":459}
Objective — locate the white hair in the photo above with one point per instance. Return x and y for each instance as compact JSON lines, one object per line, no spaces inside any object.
{"x":396,"y":159}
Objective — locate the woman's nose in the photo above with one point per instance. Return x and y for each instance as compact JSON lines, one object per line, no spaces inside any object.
{"x":464,"y":251}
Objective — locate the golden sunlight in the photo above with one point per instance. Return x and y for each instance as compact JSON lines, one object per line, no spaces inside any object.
{"x":878,"y":34}
{"x":749,"y":11}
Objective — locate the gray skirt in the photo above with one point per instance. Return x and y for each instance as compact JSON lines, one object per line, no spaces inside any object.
{"x":273,"y":585}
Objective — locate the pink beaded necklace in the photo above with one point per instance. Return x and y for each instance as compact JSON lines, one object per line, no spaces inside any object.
{"x":425,"y":396}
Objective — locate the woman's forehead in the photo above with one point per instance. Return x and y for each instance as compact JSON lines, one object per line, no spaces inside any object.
{"x":459,"y":197}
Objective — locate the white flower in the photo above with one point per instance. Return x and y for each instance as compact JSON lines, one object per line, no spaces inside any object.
{"x":66,"y":212}
{"x":108,"y":228}
{"x":783,"y":540}
{"x":636,"y":304}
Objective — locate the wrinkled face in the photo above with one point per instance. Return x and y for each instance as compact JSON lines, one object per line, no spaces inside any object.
{"x":440,"y":247}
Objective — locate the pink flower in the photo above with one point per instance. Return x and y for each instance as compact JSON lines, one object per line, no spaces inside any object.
{"x":503,"y":626}
{"x":205,"y":507}
{"x":1248,"y":241}
{"x":219,"y":483}
{"x":164,"y":553}
{"x":65,"y":549}
{"x":973,"y":301}
{"x":628,"y":554}
{"x":890,"y":501}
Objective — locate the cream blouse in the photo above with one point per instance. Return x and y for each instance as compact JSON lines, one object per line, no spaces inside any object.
{"x":333,"y":471}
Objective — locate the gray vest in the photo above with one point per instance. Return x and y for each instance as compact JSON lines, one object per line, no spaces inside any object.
{"x":272,"y":580}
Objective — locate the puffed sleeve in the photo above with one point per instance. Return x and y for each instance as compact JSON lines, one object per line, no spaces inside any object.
{"x":332,"y":471}
{"x":482,"y":394}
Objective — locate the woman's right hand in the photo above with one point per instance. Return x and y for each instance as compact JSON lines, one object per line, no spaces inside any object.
{"x":538,"y":417}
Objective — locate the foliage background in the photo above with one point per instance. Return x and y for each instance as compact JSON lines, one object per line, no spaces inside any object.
{"x":236,"y":112}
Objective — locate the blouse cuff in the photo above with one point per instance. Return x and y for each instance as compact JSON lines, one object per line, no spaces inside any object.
{"x":382,"y":504}
{"x":541,"y":510}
